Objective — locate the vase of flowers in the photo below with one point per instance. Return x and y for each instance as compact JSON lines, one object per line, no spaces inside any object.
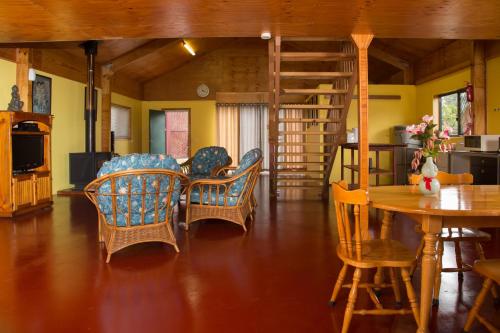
{"x":433,"y":141}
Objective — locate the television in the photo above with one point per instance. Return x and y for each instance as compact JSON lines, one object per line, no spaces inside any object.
{"x":27,"y":152}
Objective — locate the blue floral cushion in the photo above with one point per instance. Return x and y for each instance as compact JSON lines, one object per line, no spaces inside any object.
{"x":133,"y":162}
{"x":195,"y":196}
{"x":208,"y":158}
{"x":236,"y":190}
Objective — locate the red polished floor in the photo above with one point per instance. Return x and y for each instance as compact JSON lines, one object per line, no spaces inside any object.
{"x":276,"y":278}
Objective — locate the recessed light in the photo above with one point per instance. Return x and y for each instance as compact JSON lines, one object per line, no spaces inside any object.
{"x":265,"y":35}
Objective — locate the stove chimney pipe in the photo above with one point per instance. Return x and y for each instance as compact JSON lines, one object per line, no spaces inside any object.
{"x":90,"y":48}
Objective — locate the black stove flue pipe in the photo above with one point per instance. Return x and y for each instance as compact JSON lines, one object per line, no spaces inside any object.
{"x":90,"y":48}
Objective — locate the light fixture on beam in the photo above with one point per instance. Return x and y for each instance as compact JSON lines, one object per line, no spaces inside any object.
{"x":188,"y":47}
{"x":31,"y":74}
{"x":266,"y":35}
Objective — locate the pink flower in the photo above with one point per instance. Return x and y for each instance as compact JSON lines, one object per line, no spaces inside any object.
{"x":427,"y":118}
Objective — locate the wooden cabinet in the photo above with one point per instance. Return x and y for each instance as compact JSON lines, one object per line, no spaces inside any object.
{"x":26,"y":191}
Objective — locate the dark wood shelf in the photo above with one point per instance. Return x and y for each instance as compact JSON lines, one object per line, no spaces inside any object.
{"x":377,"y":148}
{"x":29,"y":133}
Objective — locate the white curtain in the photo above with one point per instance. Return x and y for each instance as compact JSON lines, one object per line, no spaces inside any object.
{"x":254,"y":131}
{"x":228,"y":128}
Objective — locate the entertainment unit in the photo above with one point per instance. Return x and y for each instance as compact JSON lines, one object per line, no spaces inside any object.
{"x":25,"y":163}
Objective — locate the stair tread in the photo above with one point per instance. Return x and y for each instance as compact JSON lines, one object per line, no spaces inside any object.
{"x":308,"y":120}
{"x":303,"y":154}
{"x":306,"y":144}
{"x":315,"y":75}
{"x":302,"y":162}
{"x":293,"y":91}
{"x":311,"y":106}
{"x":316,"y":56}
{"x":283,"y":171}
{"x":308,"y":132}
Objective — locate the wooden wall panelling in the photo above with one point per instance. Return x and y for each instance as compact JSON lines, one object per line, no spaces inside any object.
{"x":362,"y":42}
{"x":242,"y":97}
{"x":23,"y":63}
{"x":492,"y":49}
{"x":65,"y":64}
{"x":239,"y":66}
{"x":479,"y":84}
{"x":272,"y":115}
{"x":448,"y":59}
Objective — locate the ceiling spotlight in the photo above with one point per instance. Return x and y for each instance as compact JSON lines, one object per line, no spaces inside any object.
{"x":265,"y":35}
{"x":188,"y":47}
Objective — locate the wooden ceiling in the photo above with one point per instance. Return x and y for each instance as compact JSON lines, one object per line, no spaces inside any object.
{"x":70,"y":20}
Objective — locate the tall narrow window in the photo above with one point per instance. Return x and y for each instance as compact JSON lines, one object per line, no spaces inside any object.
{"x":452,"y":107}
{"x":120,"y":121}
{"x":177,"y":133}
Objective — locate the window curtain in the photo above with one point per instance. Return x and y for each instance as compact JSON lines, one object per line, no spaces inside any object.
{"x":228,"y":129}
{"x":254,"y":130}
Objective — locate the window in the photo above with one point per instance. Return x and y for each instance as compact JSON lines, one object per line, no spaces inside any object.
{"x":451,"y":111}
{"x":120,"y":121}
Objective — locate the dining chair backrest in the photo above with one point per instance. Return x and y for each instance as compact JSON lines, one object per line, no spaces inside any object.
{"x":350,"y":240}
{"x":446,"y":178}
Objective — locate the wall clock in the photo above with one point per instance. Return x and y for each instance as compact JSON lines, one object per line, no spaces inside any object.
{"x":202,"y":90}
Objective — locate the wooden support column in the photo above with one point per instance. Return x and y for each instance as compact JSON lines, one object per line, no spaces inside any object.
{"x":479,"y":83}
{"x":362,"y":42}
{"x":274,"y":105}
{"x":107,"y":76}
{"x":23,"y":62}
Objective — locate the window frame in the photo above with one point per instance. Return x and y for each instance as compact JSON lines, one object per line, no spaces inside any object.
{"x":457,"y":92}
{"x":129,"y":109}
{"x":188,"y":110}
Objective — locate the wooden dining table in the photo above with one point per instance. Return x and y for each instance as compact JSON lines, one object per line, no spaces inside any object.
{"x":471,"y":206}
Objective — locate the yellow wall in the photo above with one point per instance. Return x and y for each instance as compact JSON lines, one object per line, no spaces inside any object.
{"x":134,"y":144}
{"x":68,"y":132}
{"x":493,"y":95}
{"x":384,"y":114}
{"x":203,"y":121}
{"x":428,"y":90}
{"x":8,"y":79}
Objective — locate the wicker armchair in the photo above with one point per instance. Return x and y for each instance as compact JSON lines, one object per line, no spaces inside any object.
{"x":227,"y":198}
{"x":206,"y":162}
{"x":134,"y":196}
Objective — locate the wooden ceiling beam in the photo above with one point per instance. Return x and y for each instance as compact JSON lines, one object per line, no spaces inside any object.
{"x":387,"y":57}
{"x":142,"y":51}
{"x":446,"y":60}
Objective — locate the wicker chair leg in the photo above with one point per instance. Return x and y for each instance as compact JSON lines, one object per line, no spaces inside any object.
{"x":458,"y":258}
{"x":351,"y":302}
{"x":338,"y":284}
{"x":439,"y":267}
{"x":109,"y":245}
{"x":420,"y":250}
{"x":477,"y":304}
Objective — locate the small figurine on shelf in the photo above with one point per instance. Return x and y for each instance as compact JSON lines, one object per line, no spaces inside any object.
{"x":15,"y":103}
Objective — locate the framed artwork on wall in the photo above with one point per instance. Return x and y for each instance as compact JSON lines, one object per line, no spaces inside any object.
{"x":42,"y":94}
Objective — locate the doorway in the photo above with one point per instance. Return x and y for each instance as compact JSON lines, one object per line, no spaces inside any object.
{"x":169,"y":132}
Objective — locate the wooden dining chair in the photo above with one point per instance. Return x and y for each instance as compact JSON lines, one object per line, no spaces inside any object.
{"x":455,"y":235}
{"x":367,"y":254}
{"x":490,"y":269}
